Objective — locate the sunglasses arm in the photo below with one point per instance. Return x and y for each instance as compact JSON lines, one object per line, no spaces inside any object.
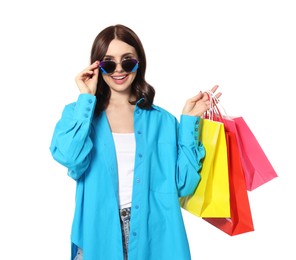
{"x":136,"y":67}
{"x":103,"y":71}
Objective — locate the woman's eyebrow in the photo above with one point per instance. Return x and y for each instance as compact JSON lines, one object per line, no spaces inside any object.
{"x":125,"y":54}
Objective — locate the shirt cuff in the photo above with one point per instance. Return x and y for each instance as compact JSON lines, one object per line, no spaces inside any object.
{"x":188,"y":131}
{"x":85,"y":106}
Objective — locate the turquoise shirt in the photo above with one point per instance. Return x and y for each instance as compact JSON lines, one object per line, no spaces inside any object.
{"x":167,"y":164}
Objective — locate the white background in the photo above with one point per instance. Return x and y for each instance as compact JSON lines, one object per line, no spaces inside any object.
{"x":247,"y":47}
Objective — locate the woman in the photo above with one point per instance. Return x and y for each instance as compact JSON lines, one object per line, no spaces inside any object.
{"x":131,"y":159}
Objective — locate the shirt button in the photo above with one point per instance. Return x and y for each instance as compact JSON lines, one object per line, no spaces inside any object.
{"x":138,"y":180}
{"x":137,"y":206}
{"x":139,"y":132}
{"x":140,"y":155}
{"x":90,"y":101}
{"x":134,"y":233}
{"x":86,"y":115}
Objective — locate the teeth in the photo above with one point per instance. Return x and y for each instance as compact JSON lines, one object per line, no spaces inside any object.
{"x":122,"y":77}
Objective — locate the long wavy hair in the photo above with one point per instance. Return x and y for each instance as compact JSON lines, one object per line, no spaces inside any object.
{"x":140,"y":89}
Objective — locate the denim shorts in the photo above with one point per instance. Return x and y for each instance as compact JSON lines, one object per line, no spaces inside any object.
{"x":125,"y":217}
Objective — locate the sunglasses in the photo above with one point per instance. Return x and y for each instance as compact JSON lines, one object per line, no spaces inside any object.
{"x":108,"y":66}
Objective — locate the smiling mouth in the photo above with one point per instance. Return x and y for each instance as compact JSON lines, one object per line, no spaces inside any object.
{"x":118,"y":77}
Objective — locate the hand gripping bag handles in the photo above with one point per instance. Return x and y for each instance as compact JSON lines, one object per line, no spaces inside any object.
{"x":212,"y":196}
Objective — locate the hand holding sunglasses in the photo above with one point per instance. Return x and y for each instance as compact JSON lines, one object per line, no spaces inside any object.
{"x":109,"y":66}
{"x":87,"y":79}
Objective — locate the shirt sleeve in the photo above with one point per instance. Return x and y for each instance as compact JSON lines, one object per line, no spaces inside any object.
{"x":190,"y":155}
{"x":71,"y":144}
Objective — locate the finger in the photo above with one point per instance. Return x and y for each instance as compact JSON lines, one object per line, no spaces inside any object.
{"x":91,"y":67}
{"x":205,"y":96}
{"x":94,"y":65}
{"x":218,"y":95}
{"x":95,"y":74}
{"x":196,"y":97}
{"x":213,"y":89}
{"x":95,"y":68}
{"x":210,"y":93}
{"x":87,"y":74}
{"x":216,"y":98}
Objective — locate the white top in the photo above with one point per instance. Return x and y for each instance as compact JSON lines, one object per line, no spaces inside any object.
{"x":125,"y":145}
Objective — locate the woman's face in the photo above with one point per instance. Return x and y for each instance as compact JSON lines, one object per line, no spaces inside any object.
{"x":119,"y":81}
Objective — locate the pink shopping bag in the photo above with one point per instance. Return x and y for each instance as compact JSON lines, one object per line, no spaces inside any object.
{"x":256,"y":166}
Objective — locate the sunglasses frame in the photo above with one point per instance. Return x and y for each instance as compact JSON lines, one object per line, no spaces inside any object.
{"x":121,"y":63}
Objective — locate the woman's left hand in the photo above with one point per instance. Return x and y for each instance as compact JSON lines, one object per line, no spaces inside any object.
{"x":199,"y":104}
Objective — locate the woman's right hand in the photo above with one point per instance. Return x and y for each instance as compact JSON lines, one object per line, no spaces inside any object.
{"x":87,"y":79}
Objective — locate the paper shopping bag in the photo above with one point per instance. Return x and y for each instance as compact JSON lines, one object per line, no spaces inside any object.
{"x":211,"y":197}
{"x":241,"y":217}
{"x":257,"y":167}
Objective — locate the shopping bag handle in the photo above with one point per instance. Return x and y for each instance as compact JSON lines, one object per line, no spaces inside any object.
{"x":213,"y":113}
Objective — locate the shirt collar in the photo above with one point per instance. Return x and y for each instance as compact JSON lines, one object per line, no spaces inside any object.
{"x":153,"y":106}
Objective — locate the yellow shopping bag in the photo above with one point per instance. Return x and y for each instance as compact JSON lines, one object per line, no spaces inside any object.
{"x":211,"y":197}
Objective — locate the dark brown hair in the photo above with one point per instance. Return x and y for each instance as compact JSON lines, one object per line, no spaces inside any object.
{"x":140,"y":88}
